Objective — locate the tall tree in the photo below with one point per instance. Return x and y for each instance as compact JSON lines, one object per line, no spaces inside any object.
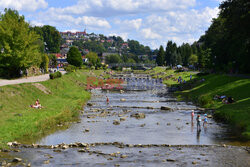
{"x":93,"y":59}
{"x":74,"y":57}
{"x":51,"y":37}
{"x":19,"y":48}
{"x":160,"y":56}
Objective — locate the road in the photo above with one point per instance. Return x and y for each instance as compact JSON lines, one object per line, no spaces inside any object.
{"x":39,"y":78}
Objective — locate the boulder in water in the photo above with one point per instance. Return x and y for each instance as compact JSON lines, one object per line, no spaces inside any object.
{"x":165,"y":108}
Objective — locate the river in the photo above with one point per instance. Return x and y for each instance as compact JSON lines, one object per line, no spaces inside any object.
{"x":133,"y":130}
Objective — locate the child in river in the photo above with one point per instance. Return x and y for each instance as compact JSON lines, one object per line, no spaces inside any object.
{"x":205,"y":120}
{"x":198,"y":119}
{"x":192,"y":115}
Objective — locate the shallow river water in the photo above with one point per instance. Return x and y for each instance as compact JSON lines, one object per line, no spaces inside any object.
{"x":162,"y":138}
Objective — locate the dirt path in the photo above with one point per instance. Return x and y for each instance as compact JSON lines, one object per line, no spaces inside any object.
{"x":39,"y":78}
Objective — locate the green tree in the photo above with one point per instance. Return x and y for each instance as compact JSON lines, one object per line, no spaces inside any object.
{"x":93,"y":59}
{"x":45,"y":63}
{"x":51,"y":37}
{"x":193,"y":59}
{"x":52,"y":60}
{"x":228,"y":37}
{"x":160,"y":57}
{"x":19,"y":48}
{"x":74,"y":57}
{"x":110,"y":59}
{"x":204,"y":60}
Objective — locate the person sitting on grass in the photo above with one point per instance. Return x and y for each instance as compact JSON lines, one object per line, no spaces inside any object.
{"x":36,"y":105}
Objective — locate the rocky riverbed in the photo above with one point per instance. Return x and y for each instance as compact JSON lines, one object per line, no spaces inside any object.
{"x":142,"y":125}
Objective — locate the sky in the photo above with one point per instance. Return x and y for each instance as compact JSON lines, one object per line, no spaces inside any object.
{"x":151,"y":22}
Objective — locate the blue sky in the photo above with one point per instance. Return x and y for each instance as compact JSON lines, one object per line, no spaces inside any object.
{"x":151,"y":22}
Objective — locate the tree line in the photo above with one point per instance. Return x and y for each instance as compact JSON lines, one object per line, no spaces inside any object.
{"x":224,"y":46}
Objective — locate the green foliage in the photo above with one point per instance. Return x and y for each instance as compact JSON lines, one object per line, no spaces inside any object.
{"x":52,"y":60}
{"x":113,"y":59}
{"x":57,"y":74}
{"x":74,"y":57}
{"x":193,"y":59}
{"x":19,"y":48}
{"x":160,"y":57}
{"x":93,"y":59}
{"x":204,"y":58}
{"x":45,"y":63}
{"x":237,"y":114}
{"x":51,"y":36}
{"x":62,"y":105}
{"x":70,"y":68}
{"x":228,"y":37}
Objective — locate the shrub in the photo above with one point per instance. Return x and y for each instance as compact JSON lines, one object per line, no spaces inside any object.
{"x":205,"y":100}
{"x":57,"y":74}
{"x":70,"y":68}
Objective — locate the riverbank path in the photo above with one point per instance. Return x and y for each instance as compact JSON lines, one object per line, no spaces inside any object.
{"x":39,"y":78}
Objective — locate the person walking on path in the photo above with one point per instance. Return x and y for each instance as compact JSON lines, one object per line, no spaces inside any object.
{"x":198,"y":119}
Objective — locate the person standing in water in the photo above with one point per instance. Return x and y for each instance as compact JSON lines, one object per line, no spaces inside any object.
{"x":107,"y":99}
{"x":198,"y":119}
{"x":205,"y":120}
{"x":192,"y":116}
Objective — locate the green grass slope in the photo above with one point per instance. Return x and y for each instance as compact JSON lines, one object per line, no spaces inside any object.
{"x":22,"y":123}
{"x":238,"y":113}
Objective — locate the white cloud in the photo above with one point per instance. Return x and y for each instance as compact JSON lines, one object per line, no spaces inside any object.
{"x":103,"y":8}
{"x":133,"y":24}
{"x":149,"y":34}
{"x":25,"y":5}
{"x":179,"y":26}
{"x":69,"y":21}
{"x":124,"y":36}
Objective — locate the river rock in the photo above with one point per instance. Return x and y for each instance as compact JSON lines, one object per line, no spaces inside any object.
{"x":122,"y":118}
{"x":168,"y":124}
{"x":81,"y":150}
{"x":46,"y":162}
{"x":138,"y":115}
{"x":89,"y":104}
{"x":116,"y":122}
{"x":13,"y":144}
{"x":65,"y":147}
{"x":142,"y":125}
{"x":124,"y":156}
{"x":165,"y":108}
{"x":17,"y":160}
{"x":86,"y":130}
{"x":194,"y":162}
{"x":171,"y":160}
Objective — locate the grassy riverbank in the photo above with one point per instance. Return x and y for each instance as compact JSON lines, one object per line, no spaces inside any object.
{"x":202,"y":93}
{"x":237,"y":114}
{"x":62,"y":99}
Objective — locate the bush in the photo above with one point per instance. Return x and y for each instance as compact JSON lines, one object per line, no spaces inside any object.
{"x":205,"y":100}
{"x":70,"y":68}
{"x":57,"y":74}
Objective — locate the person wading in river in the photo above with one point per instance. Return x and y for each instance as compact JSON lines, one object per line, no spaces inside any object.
{"x":107,"y":99}
{"x":192,"y":116}
{"x":198,"y":119}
